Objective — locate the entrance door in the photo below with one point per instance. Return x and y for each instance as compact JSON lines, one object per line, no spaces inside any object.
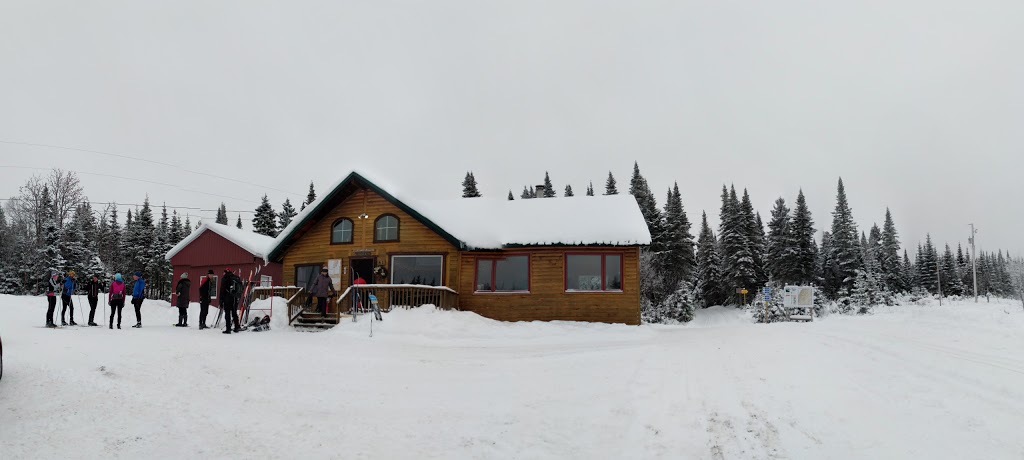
{"x":362,"y":267}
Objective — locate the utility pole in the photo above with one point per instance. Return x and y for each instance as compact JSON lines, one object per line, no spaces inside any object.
{"x":974,"y":262}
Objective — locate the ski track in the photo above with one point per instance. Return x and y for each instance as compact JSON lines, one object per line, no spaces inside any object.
{"x":916,"y":382}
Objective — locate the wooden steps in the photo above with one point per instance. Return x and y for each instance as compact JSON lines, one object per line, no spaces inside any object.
{"x":313,"y":322}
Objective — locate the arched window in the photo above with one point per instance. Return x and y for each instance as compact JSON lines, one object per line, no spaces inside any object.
{"x":341,"y":232}
{"x":386,"y":228}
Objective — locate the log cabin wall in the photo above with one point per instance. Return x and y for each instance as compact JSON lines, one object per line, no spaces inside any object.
{"x":314,"y":246}
{"x":548,"y":299}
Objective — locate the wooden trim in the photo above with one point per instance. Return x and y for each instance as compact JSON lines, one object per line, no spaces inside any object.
{"x":604,"y":281}
{"x":398,"y":229}
{"x":351,"y":233}
{"x":494,"y":274}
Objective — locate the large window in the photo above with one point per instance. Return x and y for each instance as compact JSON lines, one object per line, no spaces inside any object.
{"x":305,"y":275}
{"x":426,"y":270}
{"x":386,"y":228}
{"x":593,"y":272}
{"x":511,"y":274}
{"x":341,"y":232}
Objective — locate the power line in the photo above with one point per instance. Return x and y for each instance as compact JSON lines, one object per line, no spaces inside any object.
{"x":151,"y":205}
{"x":161,"y":163}
{"x":134,"y":179}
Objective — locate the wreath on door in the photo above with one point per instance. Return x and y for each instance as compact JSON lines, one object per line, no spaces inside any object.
{"x":381,"y":272}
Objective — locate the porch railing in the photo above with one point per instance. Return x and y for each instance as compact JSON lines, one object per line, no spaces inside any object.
{"x":390,"y":296}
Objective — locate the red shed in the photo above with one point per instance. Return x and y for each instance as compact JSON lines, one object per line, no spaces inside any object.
{"x":216,"y":247}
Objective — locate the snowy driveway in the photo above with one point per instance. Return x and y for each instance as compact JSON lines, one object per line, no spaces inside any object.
{"x":908,"y":382}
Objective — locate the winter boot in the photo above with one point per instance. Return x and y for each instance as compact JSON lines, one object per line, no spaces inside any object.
{"x":226,"y":331}
{"x":50,"y":325}
{"x":137,"y":325}
{"x":63,"y":323}
{"x":73,"y":323}
{"x":93,"y":324}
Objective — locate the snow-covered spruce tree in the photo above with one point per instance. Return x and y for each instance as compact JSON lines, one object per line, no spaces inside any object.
{"x":865,"y":293}
{"x":739,"y":258}
{"x":568,"y":191}
{"x":656,"y":293}
{"x":845,"y":254}
{"x":238,"y":223}
{"x":927,"y":267}
{"x":963,"y":262}
{"x":222,"y":214}
{"x":952,"y":284}
{"x":781,"y":247}
{"x":708,"y":285}
{"x":549,"y":190}
{"x":650,"y":281}
{"x":264,"y":221}
{"x":469,"y":189}
{"x":677,"y":258}
{"x":590,"y":189}
{"x":1016,"y":271}
{"x":889,"y":256}
{"x":760,"y":248}
{"x":805,"y":251}
{"x":527,"y":194}
{"x":158,"y":267}
{"x":907,"y":273}
{"x":510,"y":197}
{"x":48,"y":256}
{"x":174,"y":231}
{"x":609,"y":185}
{"x":142,"y":239}
{"x":678,"y":306}
{"x":774,"y":311}
{"x":284,"y":218}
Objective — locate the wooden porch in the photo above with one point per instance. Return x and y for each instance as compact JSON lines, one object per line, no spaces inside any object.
{"x":303,"y":312}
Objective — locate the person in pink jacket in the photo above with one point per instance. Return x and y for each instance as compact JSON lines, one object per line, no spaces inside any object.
{"x":116,"y":299}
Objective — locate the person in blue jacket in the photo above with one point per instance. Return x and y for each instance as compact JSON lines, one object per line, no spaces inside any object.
{"x":70,"y":285}
{"x":138,"y":295}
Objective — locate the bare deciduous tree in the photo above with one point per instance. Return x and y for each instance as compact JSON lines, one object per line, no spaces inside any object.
{"x":66,"y":192}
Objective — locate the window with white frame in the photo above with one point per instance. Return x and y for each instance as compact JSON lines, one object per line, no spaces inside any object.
{"x":414,"y":269}
{"x":213,"y":285}
{"x":266,"y":281}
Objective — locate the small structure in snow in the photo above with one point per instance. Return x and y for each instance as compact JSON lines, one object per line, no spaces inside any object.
{"x":216,"y":247}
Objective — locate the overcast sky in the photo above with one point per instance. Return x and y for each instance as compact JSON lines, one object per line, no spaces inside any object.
{"x":918,"y":105}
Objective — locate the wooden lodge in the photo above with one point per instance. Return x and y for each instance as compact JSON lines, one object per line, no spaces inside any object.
{"x":574,"y":258}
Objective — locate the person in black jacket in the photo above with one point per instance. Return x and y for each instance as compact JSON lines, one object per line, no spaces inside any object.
{"x":183,"y":290}
{"x":53,"y":289}
{"x":92,"y":292}
{"x":204,"y":299}
{"x":229,"y":296}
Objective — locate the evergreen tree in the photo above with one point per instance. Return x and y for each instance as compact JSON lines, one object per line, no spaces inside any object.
{"x":310,"y":197}
{"x":284,"y":218}
{"x":549,"y":190}
{"x":239,"y":223}
{"x":759,"y":248}
{"x":907,"y":273}
{"x":527,"y":194}
{"x":781,"y":247}
{"x":510,"y":198}
{"x":677,"y":258}
{"x":568,"y":191}
{"x":927,"y":267}
{"x":803,"y":261}
{"x":952,"y":284}
{"x":845,"y":248}
{"x":469,"y":189}
{"x":222,"y":214}
{"x":889,"y":256}
{"x":590,"y":189}
{"x":174,"y":236}
{"x":738,"y":256}
{"x":708,"y":282}
{"x":649,"y":208}
{"x":609,"y":185}
{"x":264,"y":221}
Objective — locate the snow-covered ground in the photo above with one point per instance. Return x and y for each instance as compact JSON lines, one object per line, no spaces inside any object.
{"x":920,"y":382}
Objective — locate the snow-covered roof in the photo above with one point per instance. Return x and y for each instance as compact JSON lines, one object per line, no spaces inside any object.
{"x":489,"y":223}
{"x":256,"y":244}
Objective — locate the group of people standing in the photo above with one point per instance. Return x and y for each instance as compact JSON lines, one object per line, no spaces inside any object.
{"x":230,"y":294}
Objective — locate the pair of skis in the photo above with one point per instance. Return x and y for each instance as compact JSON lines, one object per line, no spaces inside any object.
{"x":243,"y":300}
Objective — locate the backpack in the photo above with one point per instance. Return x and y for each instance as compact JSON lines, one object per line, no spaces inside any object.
{"x":235,"y":287}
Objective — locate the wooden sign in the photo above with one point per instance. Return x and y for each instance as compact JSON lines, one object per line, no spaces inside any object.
{"x":364,"y":252}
